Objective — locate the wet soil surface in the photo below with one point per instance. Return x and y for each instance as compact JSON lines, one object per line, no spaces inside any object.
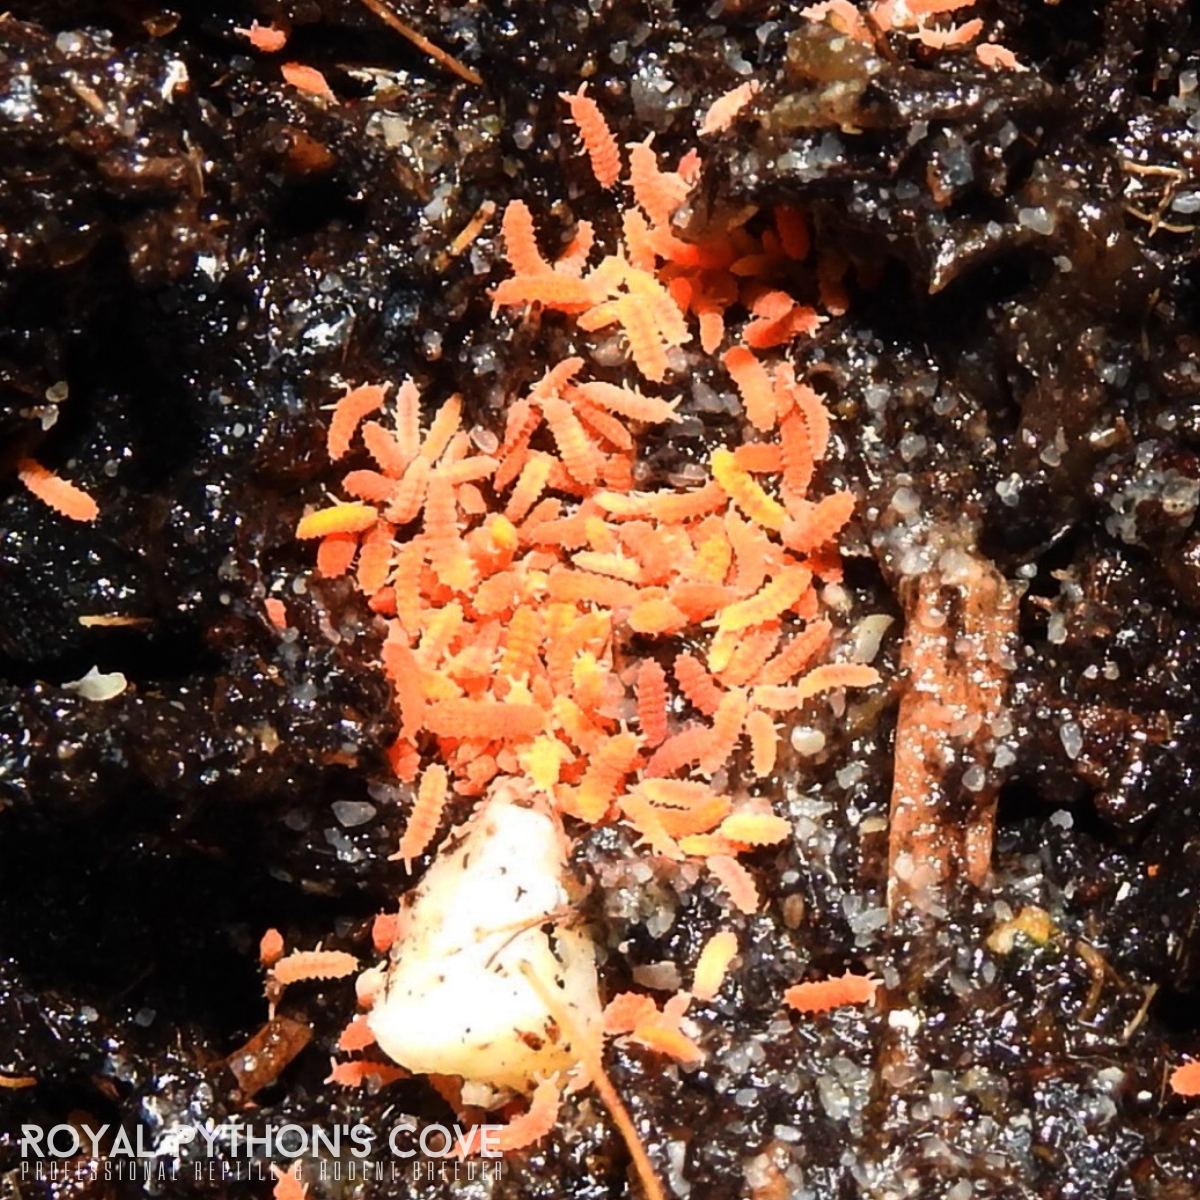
{"x":195,"y":256}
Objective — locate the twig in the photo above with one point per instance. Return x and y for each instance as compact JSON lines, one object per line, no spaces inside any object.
{"x":385,"y":14}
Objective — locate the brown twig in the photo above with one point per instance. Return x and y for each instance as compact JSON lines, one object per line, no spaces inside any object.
{"x":473,"y":228}
{"x":588,"y":1044}
{"x":385,"y":14}
{"x":959,"y":637}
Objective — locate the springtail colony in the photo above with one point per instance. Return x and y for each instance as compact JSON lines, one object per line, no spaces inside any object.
{"x":574,"y":650}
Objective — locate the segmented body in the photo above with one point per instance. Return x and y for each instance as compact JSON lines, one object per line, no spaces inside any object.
{"x":824,"y":678}
{"x":625,"y":1011}
{"x":723,"y":111}
{"x":796,"y":455}
{"x":532,"y":1125}
{"x":607,"y":427}
{"x":370,"y":486}
{"x":409,"y":496}
{"x":520,"y":240}
{"x":602,"y":149}
{"x":613,"y":565}
{"x":726,"y":730}
{"x":698,"y":818}
{"x":825,"y":994}
{"x":375,"y":559}
{"x":402,"y":668}
{"x":673,"y":508}
{"x":679,"y":750}
{"x":737,"y":882}
{"x":755,"y":829}
{"x":659,"y":193}
{"x":656,"y":615}
{"x":520,"y":659}
{"x":341,"y":518}
{"x":604,"y":775}
{"x":560,"y":292}
{"x":697,"y":684}
{"x":745,"y":492}
{"x":335,"y":554}
{"x":302,"y":965}
{"x":647,"y":346}
{"x":444,"y":544}
{"x":820,"y":523}
{"x":755,"y":386}
{"x":445,"y":425}
{"x":776,"y":597}
{"x":426,"y":814}
{"x":713,"y":964}
{"x":578,"y":451}
{"x":629,"y":402}
{"x":487,"y":719}
{"x":645,"y":818}
{"x":652,"y":701}
{"x":349,"y":413}
{"x":356,"y":1036}
{"x":797,"y":654}
{"x":764,"y":742}
{"x":753,"y":649}
{"x":574,"y":258}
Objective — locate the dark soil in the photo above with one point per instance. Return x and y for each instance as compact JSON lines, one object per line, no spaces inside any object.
{"x":194,"y":255}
